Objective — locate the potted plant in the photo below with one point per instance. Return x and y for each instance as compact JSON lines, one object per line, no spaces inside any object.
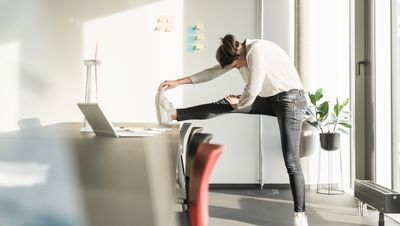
{"x":330,"y":128}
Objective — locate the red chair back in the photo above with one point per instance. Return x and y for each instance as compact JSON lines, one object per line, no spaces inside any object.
{"x":203,"y":165}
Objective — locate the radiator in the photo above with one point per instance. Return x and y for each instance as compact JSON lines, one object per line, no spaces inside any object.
{"x":380,"y":198}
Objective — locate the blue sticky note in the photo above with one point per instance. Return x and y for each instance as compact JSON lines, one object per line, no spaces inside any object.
{"x":191,"y":31}
{"x":191,"y":48}
{"x":191,"y":39}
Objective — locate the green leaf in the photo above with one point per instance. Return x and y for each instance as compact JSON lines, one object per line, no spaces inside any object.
{"x":319,"y":94}
{"x":313,"y":100}
{"x":345,"y":102}
{"x":334,"y":118}
{"x":343,"y":131}
{"x":323,"y":110}
{"x":324,"y":118}
{"x":336,"y":108}
{"x":345,"y":124}
{"x":314,"y":124}
{"x":344,"y":121}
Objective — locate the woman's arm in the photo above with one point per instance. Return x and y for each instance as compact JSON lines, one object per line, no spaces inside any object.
{"x":209,"y":74}
{"x":203,"y":76}
{"x":170,"y":84}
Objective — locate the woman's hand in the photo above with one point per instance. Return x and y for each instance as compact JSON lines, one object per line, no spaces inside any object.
{"x":168,"y":84}
{"x":233,"y":100}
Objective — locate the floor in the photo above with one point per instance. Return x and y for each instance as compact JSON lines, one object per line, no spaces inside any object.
{"x":274,"y":207}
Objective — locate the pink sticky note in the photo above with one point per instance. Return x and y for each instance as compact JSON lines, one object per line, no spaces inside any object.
{"x":169,"y":28}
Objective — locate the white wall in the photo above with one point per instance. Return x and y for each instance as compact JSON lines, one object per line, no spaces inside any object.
{"x":43,"y":43}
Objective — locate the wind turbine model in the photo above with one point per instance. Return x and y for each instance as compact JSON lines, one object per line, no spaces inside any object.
{"x":91,"y":92}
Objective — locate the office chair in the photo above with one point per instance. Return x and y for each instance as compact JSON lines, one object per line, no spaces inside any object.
{"x":204,"y":162}
{"x":191,"y":153}
{"x":29,"y":123}
{"x":182,"y":191}
{"x":179,"y":163}
{"x":192,"y":149}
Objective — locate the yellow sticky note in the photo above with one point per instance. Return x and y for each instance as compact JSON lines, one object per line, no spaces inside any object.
{"x":199,"y":46}
{"x":200,"y":36}
{"x":199,"y":26}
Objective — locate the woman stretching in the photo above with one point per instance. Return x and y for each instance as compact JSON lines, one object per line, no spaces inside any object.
{"x":273,"y":88}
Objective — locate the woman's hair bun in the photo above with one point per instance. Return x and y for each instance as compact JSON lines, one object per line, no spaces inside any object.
{"x":229,"y":40}
{"x":227,"y":51}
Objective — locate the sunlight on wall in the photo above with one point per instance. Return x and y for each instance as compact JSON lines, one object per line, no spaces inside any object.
{"x":135,"y":58}
{"x":9,"y":88}
{"x":326,"y":66}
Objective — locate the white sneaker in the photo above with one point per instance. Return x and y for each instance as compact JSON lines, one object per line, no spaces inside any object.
{"x":300,"y":219}
{"x":164,"y":107}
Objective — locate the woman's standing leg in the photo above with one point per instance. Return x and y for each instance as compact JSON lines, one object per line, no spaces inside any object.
{"x":289,"y":108}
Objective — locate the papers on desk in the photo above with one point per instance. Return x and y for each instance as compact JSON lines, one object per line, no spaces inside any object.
{"x":140,"y":131}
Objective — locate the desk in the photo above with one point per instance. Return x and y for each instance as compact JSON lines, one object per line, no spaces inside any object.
{"x":55,"y":175}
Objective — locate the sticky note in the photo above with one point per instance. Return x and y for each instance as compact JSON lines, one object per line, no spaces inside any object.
{"x":199,"y":26}
{"x":199,"y":36}
{"x":191,"y":31}
{"x":159,"y":27}
{"x":169,"y":28}
{"x":190,"y":48}
{"x":191,"y":39}
{"x":170,"y":19}
{"x":162,"y":19}
{"x":199,"y":46}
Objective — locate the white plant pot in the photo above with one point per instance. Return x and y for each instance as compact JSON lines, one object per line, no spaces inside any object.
{"x":309,"y":140}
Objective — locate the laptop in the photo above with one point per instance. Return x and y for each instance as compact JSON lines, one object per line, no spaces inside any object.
{"x":102,"y":127}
